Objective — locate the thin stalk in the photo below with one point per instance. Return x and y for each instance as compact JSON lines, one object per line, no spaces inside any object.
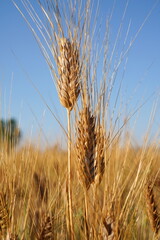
{"x":94,"y":209}
{"x":71,"y":231}
{"x":86,"y":214}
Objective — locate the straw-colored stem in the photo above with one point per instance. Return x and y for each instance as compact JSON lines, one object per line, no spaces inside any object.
{"x":94,"y":224}
{"x":71,"y":231}
{"x":86,"y":214}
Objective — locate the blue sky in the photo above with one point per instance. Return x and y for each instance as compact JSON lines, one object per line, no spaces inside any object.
{"x":22,"y":63}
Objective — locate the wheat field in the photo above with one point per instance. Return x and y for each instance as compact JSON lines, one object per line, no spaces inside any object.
{"x":100,"y":186}
{"x":123,"y":206}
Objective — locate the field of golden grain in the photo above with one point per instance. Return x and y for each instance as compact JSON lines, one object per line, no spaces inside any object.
{"x":124,"y":205}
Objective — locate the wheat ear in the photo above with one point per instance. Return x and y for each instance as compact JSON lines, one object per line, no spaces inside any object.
{"x":4,"y":216}
{"x":46,"y":231}
{"x":90,"y":148}
{"x":85,"y":149}
{"x":69,"y":71}
{"x":108,"y":231}
{"x":68,"y":91}
{"x":99,"y":153}
{"x":152,"y":209}
{"x":85,"y":146}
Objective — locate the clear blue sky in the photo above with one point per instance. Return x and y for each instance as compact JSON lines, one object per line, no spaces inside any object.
{"x":21,"y":60}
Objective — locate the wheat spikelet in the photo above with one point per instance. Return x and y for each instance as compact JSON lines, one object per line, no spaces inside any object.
{"x":68,"y":68}
{"x":99,"y":153}
{"x":46,"y":231}
{"x":85,"y":146}
{"x":152,"y":209}
{"x":108,"y":228}
{"x":4,"y":216}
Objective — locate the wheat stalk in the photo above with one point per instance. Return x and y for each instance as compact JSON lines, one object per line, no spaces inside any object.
{"x":68,"y":91}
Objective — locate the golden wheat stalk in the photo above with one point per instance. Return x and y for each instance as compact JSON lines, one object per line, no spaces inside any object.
{"x":68,"y":91}
{"x":85,"y":150}
{"x":90,"y":154}
{"x":152,"y":209}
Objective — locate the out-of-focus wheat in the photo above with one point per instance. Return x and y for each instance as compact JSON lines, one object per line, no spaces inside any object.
{"x":4,"y":217}
{"x":46,"y":230}
{"x":152,"y":210}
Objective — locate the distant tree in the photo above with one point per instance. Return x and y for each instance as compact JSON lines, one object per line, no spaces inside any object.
{"x":2,"y":130}
{"x":10,"y":134}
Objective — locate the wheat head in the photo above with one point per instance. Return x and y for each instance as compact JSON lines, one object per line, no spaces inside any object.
{"x":99,"y":153}
{"x":4,"y":216}
{"x":108,"y":231}
{"x":46,"y":231}
{"x":85,"y":146}
{"x":152,"y":208}
{"x":69,"y":72}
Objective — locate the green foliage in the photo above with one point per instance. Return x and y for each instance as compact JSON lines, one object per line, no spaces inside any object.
{"x":10,"y":134}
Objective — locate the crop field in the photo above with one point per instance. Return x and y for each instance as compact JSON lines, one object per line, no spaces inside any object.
{"x":100,"y":185}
